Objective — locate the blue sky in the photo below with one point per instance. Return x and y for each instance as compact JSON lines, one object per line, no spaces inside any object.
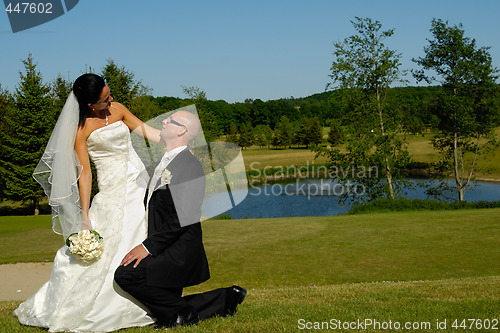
{"x":233,"y":50}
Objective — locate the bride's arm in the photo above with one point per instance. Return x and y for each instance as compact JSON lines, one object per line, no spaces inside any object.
{"x":136,"y":125}
{"x":85,"y":180}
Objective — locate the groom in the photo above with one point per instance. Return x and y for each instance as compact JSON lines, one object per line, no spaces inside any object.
{"x":172,"y":256}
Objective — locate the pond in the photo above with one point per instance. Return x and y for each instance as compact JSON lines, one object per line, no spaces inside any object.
{"x":317,"y":197}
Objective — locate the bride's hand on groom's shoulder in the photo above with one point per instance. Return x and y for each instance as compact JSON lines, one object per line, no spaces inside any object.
{"x":136,"y":254}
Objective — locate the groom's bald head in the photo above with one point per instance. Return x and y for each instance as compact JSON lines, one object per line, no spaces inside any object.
{"x":191,"y":121}
{"x":180,"y":129}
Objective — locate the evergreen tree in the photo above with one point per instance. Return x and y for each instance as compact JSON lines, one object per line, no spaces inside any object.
{"x":124,"y":88}
{"x":308,"y":131}
{"x":60,"y":92}
{"x":6,"y":104}
{"x":301,"y":128}
{"x":283,"y":133}
{"x":336,"y":134}
{"x":314,"y":133}
{"x":245,"y":138}
{"x":232,"y":136}
{"x":263,"y":135}
{"x":27,"y":129}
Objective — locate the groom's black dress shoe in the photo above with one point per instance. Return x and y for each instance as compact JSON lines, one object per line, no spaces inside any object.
{"x":234,"y":296}
{"x":189,"y":318}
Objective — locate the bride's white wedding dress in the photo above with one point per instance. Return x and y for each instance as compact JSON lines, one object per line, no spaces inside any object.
{"x":79,"y":297}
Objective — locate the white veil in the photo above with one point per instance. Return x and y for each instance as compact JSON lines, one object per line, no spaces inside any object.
{"x":59,"y":169}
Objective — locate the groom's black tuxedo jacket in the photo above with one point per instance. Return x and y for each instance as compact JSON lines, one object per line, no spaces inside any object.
{"x":174,"y":230}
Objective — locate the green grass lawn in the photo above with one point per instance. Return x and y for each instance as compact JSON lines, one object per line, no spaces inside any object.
{"x":27,"y":239}
{"x":284,"y":309}
{"x":404,"y":267}
{"x":259,"y":158}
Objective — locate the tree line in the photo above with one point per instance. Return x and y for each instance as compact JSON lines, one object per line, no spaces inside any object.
{"x":361,"y":107}
{"x":28,"y":115}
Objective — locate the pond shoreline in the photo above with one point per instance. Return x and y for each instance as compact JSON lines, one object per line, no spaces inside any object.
{"x":277,"y":179}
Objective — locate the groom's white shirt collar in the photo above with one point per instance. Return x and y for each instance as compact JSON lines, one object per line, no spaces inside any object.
{"x":170,"y":155}
{"x":165,"y":161}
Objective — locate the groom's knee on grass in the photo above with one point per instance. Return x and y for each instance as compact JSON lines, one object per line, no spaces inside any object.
{"x":123,"y":277}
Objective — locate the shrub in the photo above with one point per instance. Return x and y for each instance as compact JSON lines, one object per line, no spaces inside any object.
{"x":398,"y":205}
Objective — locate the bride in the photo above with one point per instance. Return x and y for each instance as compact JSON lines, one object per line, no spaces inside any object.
{"x":83,"y":297}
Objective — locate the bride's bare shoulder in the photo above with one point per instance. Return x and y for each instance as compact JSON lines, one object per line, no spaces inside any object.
{"x":120,"y":112}
{"x":84,"y":131}
{"x":118,"y":107}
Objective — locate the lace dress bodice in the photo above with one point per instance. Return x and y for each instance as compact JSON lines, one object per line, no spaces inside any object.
{"x":110,"y":150}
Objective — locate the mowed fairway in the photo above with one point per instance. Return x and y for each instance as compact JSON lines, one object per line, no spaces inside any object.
{"x":27,"y":239}
{"x":313,"y":251}
{"x":419,"y":147}
{"x":401,"y":267}
{"x":258,"y":159}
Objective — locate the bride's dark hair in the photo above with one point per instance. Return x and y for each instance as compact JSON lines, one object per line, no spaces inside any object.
{"x":87,"y":89}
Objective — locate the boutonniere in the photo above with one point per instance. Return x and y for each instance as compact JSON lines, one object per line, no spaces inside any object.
{"x":166,"y":177}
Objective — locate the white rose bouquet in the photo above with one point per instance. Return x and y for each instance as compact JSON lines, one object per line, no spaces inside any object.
{"x":86,"y":245}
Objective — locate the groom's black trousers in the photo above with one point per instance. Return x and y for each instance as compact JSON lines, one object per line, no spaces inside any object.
{"x":165,"y":304}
